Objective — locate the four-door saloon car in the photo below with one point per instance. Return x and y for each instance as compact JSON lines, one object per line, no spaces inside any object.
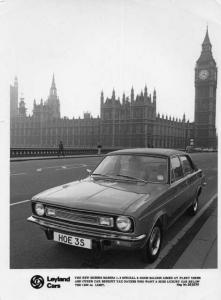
{"x":129,"y":200}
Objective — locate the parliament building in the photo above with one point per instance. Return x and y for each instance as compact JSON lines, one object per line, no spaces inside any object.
{"x":131,"y":121}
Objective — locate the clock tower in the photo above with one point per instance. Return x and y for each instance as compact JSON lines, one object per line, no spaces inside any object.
{"x":205,"y":97}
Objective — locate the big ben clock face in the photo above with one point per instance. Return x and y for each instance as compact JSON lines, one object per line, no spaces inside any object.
{"x":203,"y":74}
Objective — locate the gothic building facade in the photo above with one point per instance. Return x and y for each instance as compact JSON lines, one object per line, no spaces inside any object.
{"x":131,"y":121}
{"x":45,"y":127}
{"x":134,"y":122}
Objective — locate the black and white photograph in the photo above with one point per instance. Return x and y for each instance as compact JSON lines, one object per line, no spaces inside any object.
{"x":110,"y":137}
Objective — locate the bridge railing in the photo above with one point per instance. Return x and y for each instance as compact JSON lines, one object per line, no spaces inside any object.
{"x":47,"y":151}
{"x":34,"y":152}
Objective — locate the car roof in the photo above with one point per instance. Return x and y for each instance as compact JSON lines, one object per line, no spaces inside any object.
{"x":149,"y":151}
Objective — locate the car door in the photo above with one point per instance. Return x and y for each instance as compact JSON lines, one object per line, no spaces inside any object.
{"x":190,"y":178}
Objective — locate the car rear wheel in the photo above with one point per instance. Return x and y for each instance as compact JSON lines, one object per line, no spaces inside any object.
{"x":152,"y":247}
{"x":194,"y":207}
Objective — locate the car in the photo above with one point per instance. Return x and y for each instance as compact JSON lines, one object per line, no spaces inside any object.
{"x":129,"y":200}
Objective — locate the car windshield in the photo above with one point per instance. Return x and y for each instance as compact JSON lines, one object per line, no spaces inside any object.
{"x":134,"y":167}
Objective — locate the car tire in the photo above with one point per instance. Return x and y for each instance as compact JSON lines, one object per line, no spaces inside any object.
{"x":151,"y":249}
{"x":194,"y":207}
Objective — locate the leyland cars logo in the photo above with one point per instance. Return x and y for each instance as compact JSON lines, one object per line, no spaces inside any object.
{"x":37,"y":281}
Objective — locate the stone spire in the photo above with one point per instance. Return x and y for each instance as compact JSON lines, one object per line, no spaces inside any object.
{"x":132,"y":94}
{"x":53,"y":89}
{"x":206,"y":52}
{"x":206,"y":39}
{"x":145,"y":91}
{"x":102,"y":97}
{"x":113,"y":95}
{"x":154,"y":95}
{"x":22,"y":109}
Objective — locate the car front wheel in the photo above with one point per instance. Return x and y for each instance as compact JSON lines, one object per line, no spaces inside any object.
{"x":152,"y":247}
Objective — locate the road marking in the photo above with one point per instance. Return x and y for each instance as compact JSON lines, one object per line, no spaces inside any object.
{"x":61,"y":166}
{"x":68,"y":166}
{"x":16,"y":174}
{"x":20,"y":202}
{"x":71,"y":167}
{"x":178,"y":237}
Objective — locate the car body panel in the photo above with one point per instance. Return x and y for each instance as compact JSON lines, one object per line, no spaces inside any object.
{"x":95,"y":195}
{"x":144,"y":202}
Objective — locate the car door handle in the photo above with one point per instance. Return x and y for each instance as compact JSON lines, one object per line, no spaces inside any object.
{"x":188,"y":182}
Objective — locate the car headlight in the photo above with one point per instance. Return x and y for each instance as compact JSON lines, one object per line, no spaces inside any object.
{"x":39,"y":209}
{"x":123,"y":223}
{"x":106,"y":221}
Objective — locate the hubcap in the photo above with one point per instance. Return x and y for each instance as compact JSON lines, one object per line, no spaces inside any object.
{"x":195,"y":205}
{"x":155,"y":239}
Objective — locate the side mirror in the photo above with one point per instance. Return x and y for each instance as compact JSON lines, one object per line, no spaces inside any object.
{"x":89,"y":172}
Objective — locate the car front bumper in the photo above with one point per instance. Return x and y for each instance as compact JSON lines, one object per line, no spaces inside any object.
{"x":100,"y":239}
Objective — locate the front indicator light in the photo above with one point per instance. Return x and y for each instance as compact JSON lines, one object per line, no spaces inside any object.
{"x":50,"y":212}
{"x":106,"y":221}
{"x":123,"y":223}
{"x":39,"y":209}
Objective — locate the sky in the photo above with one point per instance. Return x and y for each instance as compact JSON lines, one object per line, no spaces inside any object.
{"x":94,"y":45}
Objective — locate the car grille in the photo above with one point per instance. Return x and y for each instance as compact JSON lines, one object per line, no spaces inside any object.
{"x":75,"y":217}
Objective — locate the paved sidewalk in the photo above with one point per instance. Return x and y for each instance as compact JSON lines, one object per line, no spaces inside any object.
{"x":202,"y":251}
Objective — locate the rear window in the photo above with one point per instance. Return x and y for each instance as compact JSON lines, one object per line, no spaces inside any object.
{"x":176,"y":169}
{"x":187,"y":166}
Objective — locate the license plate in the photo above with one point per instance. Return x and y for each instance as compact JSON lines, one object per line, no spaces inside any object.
{"x":72,"y":240}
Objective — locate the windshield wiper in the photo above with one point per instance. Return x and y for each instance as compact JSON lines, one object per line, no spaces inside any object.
{"x":131,"y":177}
{"x":120,"y":175}
{"x":102,"y":175}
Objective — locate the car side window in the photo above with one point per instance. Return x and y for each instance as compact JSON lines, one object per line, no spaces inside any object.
{"x":176,"y":169}
{"x":187,"y":166}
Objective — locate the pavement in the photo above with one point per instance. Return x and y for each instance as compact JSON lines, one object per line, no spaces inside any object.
{"x":202,"y":251}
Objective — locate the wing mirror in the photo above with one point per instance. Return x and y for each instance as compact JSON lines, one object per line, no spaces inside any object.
{"x":89,"y":172}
